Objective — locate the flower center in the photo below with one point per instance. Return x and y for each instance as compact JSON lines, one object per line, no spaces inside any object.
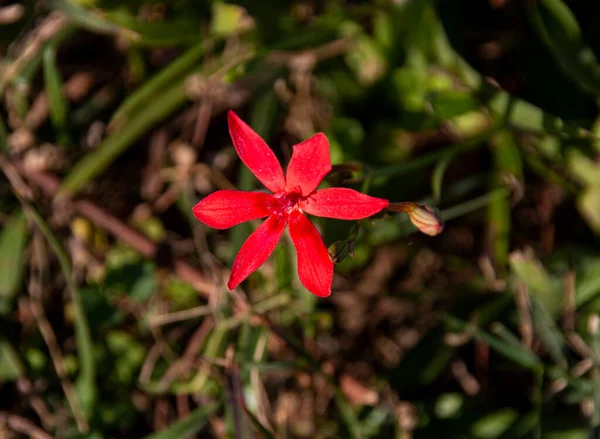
{"x":287,"y":202}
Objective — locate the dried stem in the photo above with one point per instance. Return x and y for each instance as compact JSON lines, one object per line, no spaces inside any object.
{"x":186,"y":314}
{"x":524,"y":309}
{"x":23,"y":426}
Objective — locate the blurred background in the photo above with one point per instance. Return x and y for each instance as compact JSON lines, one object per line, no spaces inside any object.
{"x":116,"y":321}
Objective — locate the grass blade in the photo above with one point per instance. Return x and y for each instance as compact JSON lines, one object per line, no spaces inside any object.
{"x":428,"y":159}
{"x":473,"y":204}
{"x":56,"y":99}
{"x":517,"y":353}
{"x":141,"y":97}
{"x":87,"y":18}
{"x":96,"y":162}
{"x":13,"y":239}
{"x":347,"y":414}
{"x":86,"y":382}
{"x":437,"y":178}
{"x":11,"y":367}
{"x":188,"y":426}
{"x":588,"y":283}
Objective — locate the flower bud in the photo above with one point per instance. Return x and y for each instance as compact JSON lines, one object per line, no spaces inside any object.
{"x":424,"y":218}
{"x":339,"y":250}
{"x":427,"y":220}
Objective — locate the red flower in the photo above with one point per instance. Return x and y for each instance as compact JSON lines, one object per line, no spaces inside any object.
{"x":293,"y":195}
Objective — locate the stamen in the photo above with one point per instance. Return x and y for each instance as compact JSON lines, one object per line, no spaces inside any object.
{"x":287,"y":202}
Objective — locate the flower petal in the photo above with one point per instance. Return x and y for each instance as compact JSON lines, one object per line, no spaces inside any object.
{"x":224,"y":209}
{"x":314,"y":266}
{"x":257,"y":248}
{"x":310,"y":163}
{"x":342,"y":203}
{"x":255,"y":154}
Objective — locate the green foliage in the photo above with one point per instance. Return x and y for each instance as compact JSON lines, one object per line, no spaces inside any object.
{"x":13,"y":239}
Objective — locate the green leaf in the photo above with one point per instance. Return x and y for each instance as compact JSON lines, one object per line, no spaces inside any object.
{"x":90,"y":18}
{"x":347,"y":414}
{"x":588,"y":204}
{"x":13,"y":239}
{"x":227,"y":19}
{"x":507,"y":156}
{"x":583,"y":168}
{"x":410,"y":88}
{"x":191,"y":425}
{"x":99,"y":309}
{"x":507,"y":162}
{"x":265,"y":432}
{"x":449,"y":104}
{"x":532,"y":273}
{"x":449,"y":405}
{"x":56,"y":99}
{"x":135,"y":280}
{"x":365,"y":58}
{"x":181,"y":294}
{"x":492,"y":425}
{"x":550,"y":334}
{"x":588,"y":283}
{"x":11,"y":367}
{"x":128,"y":354}
{"x":437,"y":178}
{"x":372,"y":425}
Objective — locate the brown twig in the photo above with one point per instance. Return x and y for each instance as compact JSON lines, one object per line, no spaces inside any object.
{"x":15,"y":179}
{"x":161,"y":414}
{"x":11,"y":14}
{"x":74,"y":89}
{"x":524,"y":309}
{"x":51,"y":25}
{"x":23,"y":426}
{"x":152,"y":182}
{"x":262,"y":400}
{"x":182,"y":404}
{"x":186,"y":314}
{"x":464,"y":378}
{"x":150,"y":361}
{"x":202,"y":122}
{"x":37,"y":404}
{"x":320,"y":53}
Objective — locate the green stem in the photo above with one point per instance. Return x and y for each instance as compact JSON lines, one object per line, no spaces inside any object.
{"x":86,"y":385}
{"x":428,"y":159}
{"x":474,"y":204}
